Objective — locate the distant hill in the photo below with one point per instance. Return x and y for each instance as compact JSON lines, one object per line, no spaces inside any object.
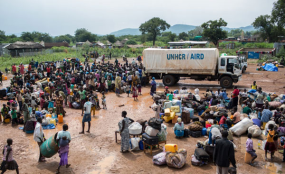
{"x":178,"y":28}
{"x":126,"y":31}
{"x":247,"y":28}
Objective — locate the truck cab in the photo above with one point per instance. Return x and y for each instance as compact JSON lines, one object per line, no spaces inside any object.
{"x":229,"y":71}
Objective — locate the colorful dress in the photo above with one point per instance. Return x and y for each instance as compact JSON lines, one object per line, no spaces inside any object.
{"x":135,"y":92}
{"x":125,"y":136}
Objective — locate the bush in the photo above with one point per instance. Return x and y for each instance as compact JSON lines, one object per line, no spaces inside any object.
{"x":131,"y":42}
{"x":281,"y":53}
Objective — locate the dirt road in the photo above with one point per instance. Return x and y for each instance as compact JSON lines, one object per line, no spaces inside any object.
{"x":97,"y":152}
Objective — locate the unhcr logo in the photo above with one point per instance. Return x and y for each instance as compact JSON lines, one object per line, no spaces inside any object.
{"x":183,"y":56}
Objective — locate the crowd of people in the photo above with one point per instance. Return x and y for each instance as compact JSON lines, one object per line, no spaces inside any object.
{"x":49,"y":87}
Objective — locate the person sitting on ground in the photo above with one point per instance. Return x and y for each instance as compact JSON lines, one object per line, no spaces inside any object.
{"x":266,"y":116}
{"x":179,"y":128}
{"x":247,"y":110}
{"x":170,"y":96}
{"x":214,"y":101}
{"x":249,"y":148}
{"x":8,"y":162}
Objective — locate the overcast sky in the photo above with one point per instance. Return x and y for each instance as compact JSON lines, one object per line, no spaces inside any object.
{"x":58,"y":17}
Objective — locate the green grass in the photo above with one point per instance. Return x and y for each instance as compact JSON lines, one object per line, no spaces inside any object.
{"x":9,"y":61}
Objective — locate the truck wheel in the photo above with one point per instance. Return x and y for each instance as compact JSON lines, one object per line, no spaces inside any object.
{"x":226,"y":82}
{"x":169,"y":80}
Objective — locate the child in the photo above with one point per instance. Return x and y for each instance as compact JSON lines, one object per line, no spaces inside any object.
{"x":30,"y":109}
{"x":104,"y":101}
{"x":249,"y":148}
{"x":128,"y":89}
{"x":270,"y":145}
{"x":6,"y":70}
{"x":139,"y":89}
{"x":8,"y":162}
{"x":14,"y":117}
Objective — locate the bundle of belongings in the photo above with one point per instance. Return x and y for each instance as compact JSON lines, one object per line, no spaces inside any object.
{"x":172,"y":156}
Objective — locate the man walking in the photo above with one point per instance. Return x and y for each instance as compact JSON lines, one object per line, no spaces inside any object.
{"x":224,"y":154}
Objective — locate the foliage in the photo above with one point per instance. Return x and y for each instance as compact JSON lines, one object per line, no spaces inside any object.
{"x":183,"y":36}
{"x":111,"y":38}
{"x":82,"y":35}
{"x":36,"y":36}
{"x":154,"y":26}
{"x":265,"y":26}
{"x":281,"y":52}
{"x":235,"y":33}
{"x":213,"y":30}
{"x":131,"y":42}
{"x":172,"y":36}
{"x":198,"y":31}
{"x":67,"y":38}
{"x":278,"y":13}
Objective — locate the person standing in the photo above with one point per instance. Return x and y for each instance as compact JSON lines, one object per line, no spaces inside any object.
{"x":110,"y":55}
{"x":224,"y":154}
{"x":63,"y":139}
{"x":22,"y":69}
{"x":87,"y":116}
{"x":14,"y":69}
{"x":48,"y":71}
{"x":153,"y":86}
{"x":124,"y":132}
{"x":39,"y":137}
{"x":270,"y":145}
{"x":118,"y":84}
{"x":20,"y":100}
{"x":59,"y":106}
{"x":235,"y":97}
{"x":82,"y":94}
{"x":26,"y":114}
{"x":8,"y":162}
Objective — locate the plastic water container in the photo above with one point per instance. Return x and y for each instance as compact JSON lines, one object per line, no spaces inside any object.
{"x":60,"y":118}
{"x":204,"y":131}
{"x":48,"y":115}
{"x":171,"y":148}
{"x":52,"y":121}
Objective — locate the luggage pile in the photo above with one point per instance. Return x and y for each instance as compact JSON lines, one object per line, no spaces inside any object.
{"x":172,"y":156}
{"x":154,"y":132}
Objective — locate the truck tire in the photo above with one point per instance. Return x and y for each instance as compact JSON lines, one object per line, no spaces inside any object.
{"x":226,"y":82}
{"x":169,"y":80}
{"x":243,"y":70}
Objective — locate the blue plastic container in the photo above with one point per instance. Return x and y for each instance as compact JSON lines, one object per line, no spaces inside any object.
{"x":201,"y":112}
{"x":204,"y":131}
{"x":179,"y":133}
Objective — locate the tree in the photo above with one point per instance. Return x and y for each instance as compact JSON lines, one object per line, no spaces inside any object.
{"x":183,"y":36}
{"x":265,"y":26}
{"x":172,"y":36}
{"x":278,"y":13}
{"x":154,"y":26}
{"x":27,"y":36}
{"x":82,"y":35}
{"x":235,"y":33}
{"x":2,"y":36}
{"x":111,"y":38}
{"x":213,"y":30}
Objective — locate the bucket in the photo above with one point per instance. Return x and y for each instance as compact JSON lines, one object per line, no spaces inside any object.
{"x":49,"y":148}
{"x":204,"y":131}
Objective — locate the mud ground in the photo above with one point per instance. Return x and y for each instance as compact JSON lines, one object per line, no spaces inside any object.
{"x":98,"y":152}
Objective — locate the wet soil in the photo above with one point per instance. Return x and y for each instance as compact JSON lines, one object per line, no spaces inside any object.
{"x":98,"y":153}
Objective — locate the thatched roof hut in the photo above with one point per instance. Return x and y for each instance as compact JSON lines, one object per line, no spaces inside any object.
{"x":118,"y":44}
{"x":25,"y":45}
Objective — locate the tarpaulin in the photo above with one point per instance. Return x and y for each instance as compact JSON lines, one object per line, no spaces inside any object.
{"x":270,"y":67}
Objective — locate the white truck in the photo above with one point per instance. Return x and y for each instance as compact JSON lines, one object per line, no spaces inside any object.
{"x":243,"y":63}
{"x":198,"y":64}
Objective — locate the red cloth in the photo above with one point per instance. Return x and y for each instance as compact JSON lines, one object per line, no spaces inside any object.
{"x":222,"y":120}
{"x":30,"y":67}
{"x":270,"y":146}
{"x":14,"y":69}
{"x":235,"y":93}
{"x":48,"y":70}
